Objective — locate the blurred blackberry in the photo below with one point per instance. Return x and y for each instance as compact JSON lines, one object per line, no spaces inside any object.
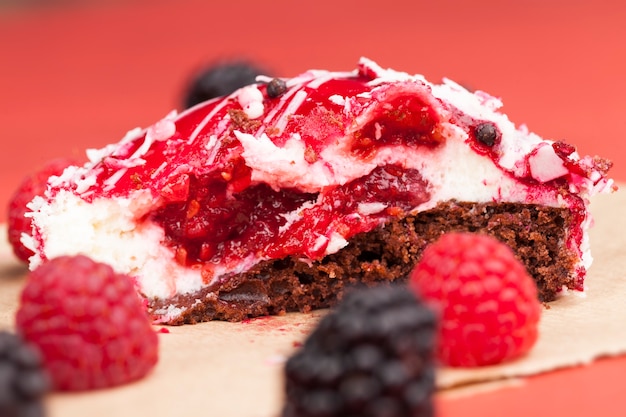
{"x":23,"y":382}
{"x":220,"y":80}
{"x":371,"y":356}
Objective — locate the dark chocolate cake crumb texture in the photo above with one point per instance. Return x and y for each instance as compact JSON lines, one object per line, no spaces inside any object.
{"x":370,"y":356}
{"x":23,"y":381}
{"x":388,"y":254}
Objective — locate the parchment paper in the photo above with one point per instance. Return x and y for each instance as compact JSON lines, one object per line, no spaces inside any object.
{"x":235,"y":369}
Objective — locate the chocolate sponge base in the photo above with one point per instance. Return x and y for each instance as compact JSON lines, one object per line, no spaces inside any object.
{"x":388,"y":253}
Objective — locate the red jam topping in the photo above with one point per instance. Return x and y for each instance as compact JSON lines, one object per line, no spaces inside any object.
{"x":214,"y":213}
{"x":216,"y":226}
{"x":404,"y":120}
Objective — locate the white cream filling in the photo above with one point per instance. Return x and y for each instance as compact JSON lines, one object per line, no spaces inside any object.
{"x":107,"y":231}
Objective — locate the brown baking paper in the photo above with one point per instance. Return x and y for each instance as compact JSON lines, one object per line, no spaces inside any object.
{"x":235,"y":369}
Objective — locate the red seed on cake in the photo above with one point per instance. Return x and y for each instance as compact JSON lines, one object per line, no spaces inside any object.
{"x":31,"y":186}
{"x":487,"y":300}
{"x":90,"y":325}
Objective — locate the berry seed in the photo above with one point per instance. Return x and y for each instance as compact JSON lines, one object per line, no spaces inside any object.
{"x":276,"y":87}
{"x":486,"y":133}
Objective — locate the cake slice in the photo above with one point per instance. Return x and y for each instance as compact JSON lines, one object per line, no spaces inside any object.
{"x":277,"y":196}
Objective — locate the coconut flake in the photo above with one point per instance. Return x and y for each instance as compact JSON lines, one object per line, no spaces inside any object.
{"x":337,"y":99}
{"x":162,"y":130}
{"x":371,"y":208}
{"x":545,"y":165}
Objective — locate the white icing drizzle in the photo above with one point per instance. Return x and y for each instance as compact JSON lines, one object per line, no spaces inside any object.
{"x":212,"y":147}
{"x":84,"y":183}
{"x":293,"y":106}
{"x":158,"y":170}
{"x":303,"y":78}
{"x":284,"y":99}
{"x":160,"y":131}
{"x":263,"y":79}
{"x":325,"y":76}
{"x":207,"y":119}
{"x":110,"y":182}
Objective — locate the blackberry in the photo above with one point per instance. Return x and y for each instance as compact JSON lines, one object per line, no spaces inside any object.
{"x":220,"y":80}
{"x":372,"y":355}
{"x":23,"y":382}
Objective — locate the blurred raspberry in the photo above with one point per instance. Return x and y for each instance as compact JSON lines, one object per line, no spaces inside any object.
{"x":220,"y":80}
{"x":30,"y":187}
{"x":88,"y":322}
{"x":487,"y":300}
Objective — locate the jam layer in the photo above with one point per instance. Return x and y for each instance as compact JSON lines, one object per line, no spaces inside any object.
{"x":213,"y":226}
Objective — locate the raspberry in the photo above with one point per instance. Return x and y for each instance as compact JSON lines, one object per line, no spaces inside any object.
{"x":30,"y":187}
{"x":220,"y":80}
{"x":23,"y":381}
{"x":488,"y":303}
{"x":89,"y":323}
{"x":370,"y":356}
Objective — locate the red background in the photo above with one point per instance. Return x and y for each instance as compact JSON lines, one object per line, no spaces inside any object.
{"x":80,"y":74}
